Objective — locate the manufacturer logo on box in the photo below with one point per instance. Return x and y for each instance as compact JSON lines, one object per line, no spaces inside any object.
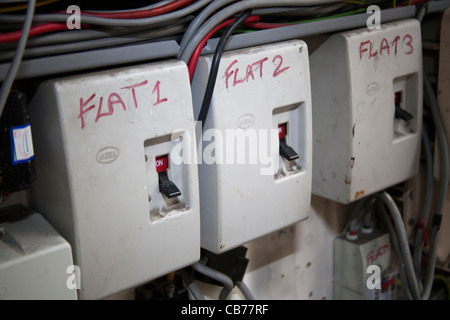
{"x":373,"y":88}
{"x":107,"y":155}
{"x":245,"y":121}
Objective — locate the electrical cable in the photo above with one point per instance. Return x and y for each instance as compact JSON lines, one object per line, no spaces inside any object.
{"x":431,"y":264}
{"x":403,"y":243}
{"x":443,"y":183}
{"x":24,"y":6}
{"x":300,"y":12}
{"x":428,"y":197}
{"x":34,"y":31}
{"x":99,"y":43}
{"x":200,"y":18}
{"x":195,"y":291}
{"x":191,"y":43}
{"x":73,"y":36}
{"x":245,"y":290}
{"x":156,"y":4}
{"x":215,"y":275}
{"x":160,"y":20}
{"x":395,"y":244}
{"x":215,"y":65}
{"x":141,"y":13}
{"x":437,"y":217}
{"x":196,"y":54}
{"x":14,"y":67}
{"x":190,"y":284}
{"x":443,"y":150}
{"x":265,"y":25}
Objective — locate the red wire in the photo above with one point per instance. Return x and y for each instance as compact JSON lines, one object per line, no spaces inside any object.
{"x":263,"y":25}
{"x":196,"y":54}
{"x":140,"y":13}
{"x":404,"y":4}
{"x":35,"y":30}
{"x":49,"y":27}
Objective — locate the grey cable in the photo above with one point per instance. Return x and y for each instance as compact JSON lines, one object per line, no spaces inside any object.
{"x":160,"y":20}
{"x":245,"y":290}
{"x":429,"y":273}
{"x":216,"y":275}
{"x":72,"y":36}
{"x":191,"y":285}
{"x":427,"y":200}
{"x":394,"y":240}
{"x":403,"y":243}
{"x":195,"y":291}
{"x":442,"y":144}
{"x":422,"y":12}
{"x":200,"y":18}
{"x":200,"y":33}
{"x":14,"y":67}
{"x":99,"y":43}
{"x":300,"y":12}
{"x":443,"y":183}
{"x":155,"y":5}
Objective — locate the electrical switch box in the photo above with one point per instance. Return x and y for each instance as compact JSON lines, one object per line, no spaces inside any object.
{"x":34,"y":260}
{"x":367,"y":113}
{"x":117,"y":172}
{"x":363,"y":267}
{"x":255,"y":168}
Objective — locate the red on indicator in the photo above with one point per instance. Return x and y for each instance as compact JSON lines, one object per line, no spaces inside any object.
{"x":282,"y":131}
{"x":161,"y":163}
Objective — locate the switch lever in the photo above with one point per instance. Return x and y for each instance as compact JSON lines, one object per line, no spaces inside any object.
{"x":402,"y":114}
{"x":167,"y":187}
{"x":287,"y":152}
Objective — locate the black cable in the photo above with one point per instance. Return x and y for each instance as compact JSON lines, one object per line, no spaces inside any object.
{"x":215,"y":65}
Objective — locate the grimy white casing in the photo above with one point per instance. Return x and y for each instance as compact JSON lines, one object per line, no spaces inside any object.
{"x":359,"y":147}
{"x":34,"y":260}
{"x":257,"y":89}
{"x":96,"y":137}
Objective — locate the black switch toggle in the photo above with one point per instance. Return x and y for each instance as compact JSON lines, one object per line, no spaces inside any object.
{"x":287,"y":152}
{"x":167,"y":187}
{"x":402,"y":114}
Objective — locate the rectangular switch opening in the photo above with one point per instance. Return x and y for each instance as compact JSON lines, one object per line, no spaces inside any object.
{"x":167,"y":180}
{"x":290,"y":121}
{"x":405,"y":105}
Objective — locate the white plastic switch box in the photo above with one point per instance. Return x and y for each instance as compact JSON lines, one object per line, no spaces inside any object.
{"x":363,"y":267}
{"x":367,"y":110}
{"x":255,"y":168}
{"x":117,"y":172}
{"x":35,"y":261}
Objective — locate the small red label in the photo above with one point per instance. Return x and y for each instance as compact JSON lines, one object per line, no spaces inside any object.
{"x":281,"y":131}
{"x":161,"y":163}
